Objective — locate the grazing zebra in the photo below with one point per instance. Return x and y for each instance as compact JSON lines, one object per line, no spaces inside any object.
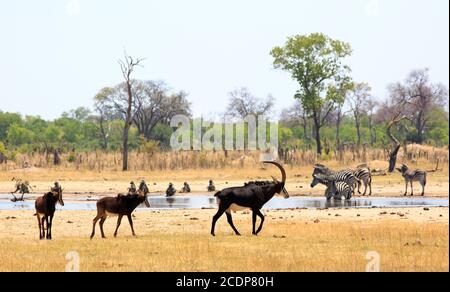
{"x":364,"y":176}
{"x":335,"y":189}
{"x":413,"y":175}
{"x":346,"y":176}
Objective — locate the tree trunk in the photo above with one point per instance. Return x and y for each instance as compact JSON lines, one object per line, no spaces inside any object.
{"x":103,"y":134}
{"x":317,"y":137}
{"x":372,"y":136}
{"x":358,"y":132}
{"x":338,"y":132}
{"x":393,"y":158}
{"x":56,"y":158}
{"x":125,"y":149}
{"x":420,"y":125}
{"x":396,"y":144}
{"x":128,"y":121}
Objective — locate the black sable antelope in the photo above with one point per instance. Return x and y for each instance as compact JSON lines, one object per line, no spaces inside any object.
{"x":253,"y":195}
{"x":45,"y":210}
{"x":119,"y":206}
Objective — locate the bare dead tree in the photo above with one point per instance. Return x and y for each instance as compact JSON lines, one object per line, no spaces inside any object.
{"x":296,"y":115}
{"x":358,"y":99}
{"x":104,"y":110}
{"x":157,"y":105}
{"x":244,"y":103}
{"x":371,"y":107}
{"x":337,"y":116}
{"x":424,"y":96}
{"x":395,"y":110}
{"x":128,"y":66}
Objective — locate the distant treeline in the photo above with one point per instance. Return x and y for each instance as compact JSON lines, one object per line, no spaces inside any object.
{"x":80,"y":130}
{"x":332,"y":111}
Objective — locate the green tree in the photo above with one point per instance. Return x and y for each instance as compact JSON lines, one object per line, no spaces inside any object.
{"x":6,"y":120}
{"x":17,"y":135}
{"x":316,"y":62}
{"x":52,"y":134}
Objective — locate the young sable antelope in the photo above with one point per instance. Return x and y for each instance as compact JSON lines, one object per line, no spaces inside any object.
{"x":119,"y":206}
{"x":45,"y":210}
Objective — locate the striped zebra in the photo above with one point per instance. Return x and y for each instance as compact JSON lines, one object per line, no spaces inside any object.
{"x":413,"y":175}
{"x":335,"y":189}
{"x":346,"y":176}
{"x":364,"y":176}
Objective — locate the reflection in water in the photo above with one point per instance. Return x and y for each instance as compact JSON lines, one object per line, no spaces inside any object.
{"x":208,"y":202}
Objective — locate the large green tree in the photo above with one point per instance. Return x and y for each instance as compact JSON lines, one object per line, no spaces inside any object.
{"x":316,"y":62}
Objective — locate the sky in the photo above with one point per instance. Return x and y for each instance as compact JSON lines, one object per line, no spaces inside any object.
{"x":55,"y":55}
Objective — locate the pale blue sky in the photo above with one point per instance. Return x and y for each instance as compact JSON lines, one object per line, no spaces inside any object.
{"x":55,"y":54}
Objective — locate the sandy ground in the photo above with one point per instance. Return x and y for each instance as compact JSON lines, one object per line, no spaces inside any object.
{"x":22,"y":224}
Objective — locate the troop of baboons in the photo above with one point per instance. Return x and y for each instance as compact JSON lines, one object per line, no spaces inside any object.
{"x":252,"y":195}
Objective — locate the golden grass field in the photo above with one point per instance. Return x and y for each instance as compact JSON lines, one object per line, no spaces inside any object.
{"x":410,"y":239}
{"x":292,"y":240}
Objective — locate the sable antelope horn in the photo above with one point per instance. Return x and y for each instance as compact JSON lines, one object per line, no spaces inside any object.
{"x":283,"y":172}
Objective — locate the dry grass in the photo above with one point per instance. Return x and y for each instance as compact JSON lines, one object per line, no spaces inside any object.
{"x":179,"y":241}
{"x":99,"y":161}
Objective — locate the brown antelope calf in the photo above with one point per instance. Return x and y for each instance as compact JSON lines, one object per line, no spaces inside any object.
{"x":45,"y":210}
{"x":119,"y":206}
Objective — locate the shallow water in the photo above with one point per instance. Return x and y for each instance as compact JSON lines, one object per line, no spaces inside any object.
{"x":208,"y":202}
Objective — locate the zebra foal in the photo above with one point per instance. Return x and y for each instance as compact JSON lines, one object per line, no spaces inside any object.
{"x":335,"y":189}
{"x":346,"y":176}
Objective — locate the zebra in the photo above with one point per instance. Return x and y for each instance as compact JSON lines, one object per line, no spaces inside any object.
{"x":346,"y":176}
{"x":335,"y":189}
{"x":364,"y":176}
{"x":413,"y":175}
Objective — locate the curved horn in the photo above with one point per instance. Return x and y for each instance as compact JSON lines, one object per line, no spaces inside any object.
{"x":283,"y":172}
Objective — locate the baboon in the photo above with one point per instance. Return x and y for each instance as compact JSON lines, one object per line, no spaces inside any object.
{"x":171,"y":191}
{"x":186,"y":188}
{"x":23,"y":187}
{"x":132,"y":189}
{"x":211,"y":186}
